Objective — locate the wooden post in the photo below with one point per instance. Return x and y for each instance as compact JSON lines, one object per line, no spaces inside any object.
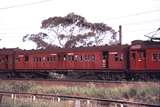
{"x":77,"y":103}
{"x":58,"y":99}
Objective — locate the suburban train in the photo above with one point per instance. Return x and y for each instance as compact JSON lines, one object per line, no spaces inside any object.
{"x":139,"y":60}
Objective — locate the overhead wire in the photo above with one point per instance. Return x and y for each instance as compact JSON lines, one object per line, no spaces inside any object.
{"x":142,"y":22}
{"x":26,"y":4}
{"x":113,"y":18}
{"x":135,"y":14}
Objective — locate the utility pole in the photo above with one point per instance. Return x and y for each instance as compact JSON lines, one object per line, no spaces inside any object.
{"x":120,"y":34}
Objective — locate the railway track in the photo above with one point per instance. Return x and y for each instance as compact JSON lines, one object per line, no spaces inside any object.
{"x":14,"y":96}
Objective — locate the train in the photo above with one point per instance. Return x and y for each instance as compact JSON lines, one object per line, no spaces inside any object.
{"x":139,"y":60}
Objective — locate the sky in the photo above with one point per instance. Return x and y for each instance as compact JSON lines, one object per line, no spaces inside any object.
{"x":20,"y":17}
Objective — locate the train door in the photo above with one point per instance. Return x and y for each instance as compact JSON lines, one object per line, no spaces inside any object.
{"x":6,"y":62}
{"x":9,"y":62}
{"x":61,"y":63}
{"x":137,"y":59}
{"x":105,"y":59}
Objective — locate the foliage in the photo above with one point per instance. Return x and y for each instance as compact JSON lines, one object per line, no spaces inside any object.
{"x":72,"y":31}
{"x":39,"y":40}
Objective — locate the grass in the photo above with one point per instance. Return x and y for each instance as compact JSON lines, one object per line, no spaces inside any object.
{"x":149,"y":94}
{"x":27,"y":102}
{"x":7,"y":102}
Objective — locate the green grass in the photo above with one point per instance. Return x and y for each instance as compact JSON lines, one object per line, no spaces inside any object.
{"x":148,"y":93}
{"x":27,"y":102}
{"x":41,"y":103}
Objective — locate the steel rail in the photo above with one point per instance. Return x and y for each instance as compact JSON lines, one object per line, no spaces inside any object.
{"x":78,"y":97}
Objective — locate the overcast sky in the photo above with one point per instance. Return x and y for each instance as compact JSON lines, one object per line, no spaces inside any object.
{"x":18,"y":17}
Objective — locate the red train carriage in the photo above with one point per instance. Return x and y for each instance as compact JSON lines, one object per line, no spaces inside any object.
{"x":84,"y":59}
{"x":153,"y":57}
{"x":92,"y":58}
{"x":7,"y":59}
{"x":145,"y":56}
{"x":118,"y":56}
{"x":137,"y":56}
{"x":116,"y":61}
{"x":145,"y":59}
{"x":56,"y":59}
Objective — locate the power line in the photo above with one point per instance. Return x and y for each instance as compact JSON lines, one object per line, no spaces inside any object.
{"x":22,"y":5}
{"x":143,"y":22}
{"x":135,"y":14}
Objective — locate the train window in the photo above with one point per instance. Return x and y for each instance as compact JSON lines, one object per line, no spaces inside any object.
{"x":70,"y":58}
{"x":47,"y":59}
{"x":54,"y":58}
{"x":39,"y":59}
{"x":67,"y":58}
{"x":2,"y":60}
{"x":141,"y":54}
{"x":26,"y":58}
{"x":86,"y":57}
{"x":116,"y":57}
{"x":83,"y":58}
{"x":50,"y":59}
{"x":105,"y":54}
{"x":6,"y":57}
{"x":43,"y":58}
{"x":79,"y":58}
{"x":121,"y":57}
{"x":76,"y":57}
{"x":134,"y":56}
{"x":154,"y":56}
{"x":59,"y":57}
{"x":34,"y":60}
{"x":92,"y":58}
{"x":144,"y":54}
{"x":17,"y":59}
{"x":64,"y":57}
